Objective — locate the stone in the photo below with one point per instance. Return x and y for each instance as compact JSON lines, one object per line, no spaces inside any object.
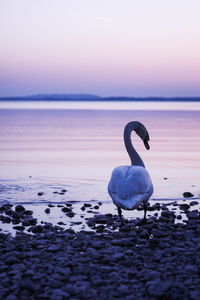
{"x":5,"y":219}
{"x":66,"y":209}
{"x":53,"y":248}
{"x":29,"y":222}
{"x":28,"y":212}
{"x":70,"y":214}
{"x":155,"y":289}
{"x":184,"y":206}
{"x":193,"y":215}
{"x":20,"y":228}
{"x":87,"y":204}
{"x":19,"y":208}
{"x":97,"y":244}
{"x":187,"y":195}
{"x":40,"y":193}
{"x":10,"y":260}
{"x":37,"y":229}
{"x":192,"y":203}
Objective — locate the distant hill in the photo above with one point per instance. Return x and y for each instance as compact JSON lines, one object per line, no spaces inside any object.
{"x":54,"y":97}
{"x":90,"y":97}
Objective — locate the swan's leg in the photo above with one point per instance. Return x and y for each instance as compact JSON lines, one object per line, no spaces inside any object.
{"x":120,"y":215}
{"x":145,"y":211}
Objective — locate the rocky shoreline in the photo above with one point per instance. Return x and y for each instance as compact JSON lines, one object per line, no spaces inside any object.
{"x":156,"y":260}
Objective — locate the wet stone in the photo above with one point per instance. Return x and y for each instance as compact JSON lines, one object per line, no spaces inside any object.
{"x":184,"y":206}
{"x":96,"y":207}
{"x":40,"y":193}
{"x":187,"y":195}
{"x":28,"y":212}
{"x":20,"y":228}
{"x":29,"y":222}
{"x":36,"y":229}
{"x":19,"y":208}
{"x":70,"y":214}
{"x":47,"y":210}
{"x":5,"y":219}
{"x":87,"y":204}
{"x":16,"y":215}
{"x":193,"y":215}
{"x":66,"y":209}
{"x":192,"y":203}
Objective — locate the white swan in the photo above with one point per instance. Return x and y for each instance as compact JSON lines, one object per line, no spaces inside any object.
{"x":131,"y":186}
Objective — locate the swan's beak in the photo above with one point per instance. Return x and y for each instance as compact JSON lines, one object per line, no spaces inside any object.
{"x":146,"y":143}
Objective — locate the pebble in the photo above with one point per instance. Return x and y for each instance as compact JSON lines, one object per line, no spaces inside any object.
{"x":20,"y":228}
{"x":193,"y":215}
{"x":70,"y":214}
{"x":159,"y":259}
{"x":40,"y":193}
{"x":87,"y":204}
{"x":192,"y":203}
{"x":19,"y":208}
{"x":66,"y":209}
{"x":187,"y":194}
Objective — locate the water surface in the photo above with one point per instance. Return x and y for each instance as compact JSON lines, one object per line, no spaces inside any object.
{"x":48,"y":145}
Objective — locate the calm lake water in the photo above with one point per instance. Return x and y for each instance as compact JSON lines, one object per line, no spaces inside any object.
{"x":48,"y":146}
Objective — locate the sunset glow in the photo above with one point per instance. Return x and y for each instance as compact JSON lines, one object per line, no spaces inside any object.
{"x":130,"y":48}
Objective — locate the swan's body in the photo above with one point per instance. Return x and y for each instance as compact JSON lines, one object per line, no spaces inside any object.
{"x":131,"y":186}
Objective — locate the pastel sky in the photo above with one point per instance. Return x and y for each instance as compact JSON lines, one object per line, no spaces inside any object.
{"x":104,"y":47}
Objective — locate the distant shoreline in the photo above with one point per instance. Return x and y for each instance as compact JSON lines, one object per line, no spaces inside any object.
{"x":94,"y":98}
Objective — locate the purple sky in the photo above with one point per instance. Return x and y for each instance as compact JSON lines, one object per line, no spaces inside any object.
{"x":107,"y":47}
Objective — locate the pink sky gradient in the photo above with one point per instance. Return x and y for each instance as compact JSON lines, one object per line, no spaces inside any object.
{"x":131,"y":48}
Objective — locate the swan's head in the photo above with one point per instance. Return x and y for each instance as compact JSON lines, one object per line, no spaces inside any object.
{"x":143,"y":134}
{"x":146,"y":142}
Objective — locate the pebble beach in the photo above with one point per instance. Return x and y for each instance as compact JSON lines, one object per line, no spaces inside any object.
{"x":159,"y":259}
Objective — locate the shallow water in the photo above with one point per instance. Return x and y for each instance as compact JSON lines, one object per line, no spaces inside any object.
{"x":47,"y":150}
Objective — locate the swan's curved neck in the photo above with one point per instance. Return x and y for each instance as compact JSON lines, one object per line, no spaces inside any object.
{"x":134,"y":156}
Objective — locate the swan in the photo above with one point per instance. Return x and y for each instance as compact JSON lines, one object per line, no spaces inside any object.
{"x":131,"y":186}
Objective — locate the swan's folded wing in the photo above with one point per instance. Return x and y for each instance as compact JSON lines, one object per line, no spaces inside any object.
{"x":130,"y":186}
